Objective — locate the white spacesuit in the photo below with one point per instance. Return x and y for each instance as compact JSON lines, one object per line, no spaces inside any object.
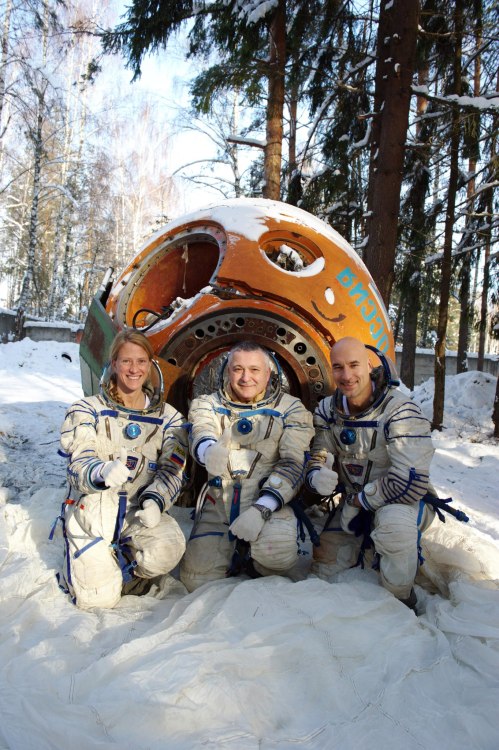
{"x":263,"y":445}
{"x":107,"y":544}
{"x":382,"y":457}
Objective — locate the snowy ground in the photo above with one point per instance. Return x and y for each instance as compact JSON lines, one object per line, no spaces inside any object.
{"x":244,"y":664}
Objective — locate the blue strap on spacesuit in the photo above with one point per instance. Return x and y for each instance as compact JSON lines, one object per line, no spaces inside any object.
{"x":264,"y":412}
{"x":118,"y":544}
{"x":64,"y":580}
{"x":135,"y":417}
{"x":80,"y":552}
{"x":420,"y":518}
{"x":145,"y":419}
{"x":361,"y":526}
{"x":60,"y":518}
{"x":248,"y":413}
{"x":439,"y":505}
{"x":370,"y":423}
{"x":234,"y":506}
{"x":304,"y":522}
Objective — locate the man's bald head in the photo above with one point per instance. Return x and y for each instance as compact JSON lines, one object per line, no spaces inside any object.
{"x":350,"y":346}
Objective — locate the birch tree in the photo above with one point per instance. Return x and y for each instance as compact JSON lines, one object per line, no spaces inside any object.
{"x":446,"y":263}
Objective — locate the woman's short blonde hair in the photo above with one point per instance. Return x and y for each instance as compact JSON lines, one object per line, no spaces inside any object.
{"x":130,"y":336}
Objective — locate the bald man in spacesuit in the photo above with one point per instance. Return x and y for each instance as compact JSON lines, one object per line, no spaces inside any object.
{"x":382,"y":450}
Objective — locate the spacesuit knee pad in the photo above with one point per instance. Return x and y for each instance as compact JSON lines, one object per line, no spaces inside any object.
{"x":94,"y":579}
{"x":276,"y":549}
{"x":396,"y":530}
{"x":206,"y":558}
{"x":105,"y":596}
{"x":158,"y":550}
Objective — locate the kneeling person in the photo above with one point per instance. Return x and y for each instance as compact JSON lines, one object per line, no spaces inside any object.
{"x":382,"y":447}
{"x":126,"y":451}
{"x":251,"y":436}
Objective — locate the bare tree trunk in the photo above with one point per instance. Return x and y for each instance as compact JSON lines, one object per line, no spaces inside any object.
{"x":489,"y":208}
{"x":409,"y":343}
{"x":36,"y":136}
{"x":474,"y":295}
{"x":4,"y":55}
{"x":485,"y":290}
{"x":396,"y":50}
{"x":294,"y":188}
{"x":446,"y":271}
{"x":232,"y":148}
{"x":275,"y":104}
{"x":466,"y":307}
{"x":28,"y":280}
{"x":58,"y":279}
{"x":464,"y":316}
{"x":66,"y":266}
{"x":412,"y":285}
{"x":495,"y":413}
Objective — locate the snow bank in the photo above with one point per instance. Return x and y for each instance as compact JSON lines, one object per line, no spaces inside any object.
{"x":469,"y":399}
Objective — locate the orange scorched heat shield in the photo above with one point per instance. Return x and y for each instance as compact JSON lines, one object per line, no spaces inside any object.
{"x":244,"y":269}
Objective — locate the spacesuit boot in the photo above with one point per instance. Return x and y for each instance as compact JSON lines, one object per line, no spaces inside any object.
{"x":411,"y":601}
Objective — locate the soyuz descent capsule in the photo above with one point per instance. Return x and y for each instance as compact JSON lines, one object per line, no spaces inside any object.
{"x":250,"y":269}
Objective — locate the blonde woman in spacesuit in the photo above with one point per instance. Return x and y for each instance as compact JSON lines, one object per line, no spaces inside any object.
{"x":126,"y":451}
{"x":251,"y":436}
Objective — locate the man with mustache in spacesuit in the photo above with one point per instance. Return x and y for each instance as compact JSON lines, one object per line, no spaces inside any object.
{"x":251,"y":437}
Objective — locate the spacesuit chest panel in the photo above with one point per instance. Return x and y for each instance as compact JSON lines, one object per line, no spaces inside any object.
{"x":362,"y":459}
{"x":250,"y":429}
{"x":140,"y":437}
{"x":255,"y":436}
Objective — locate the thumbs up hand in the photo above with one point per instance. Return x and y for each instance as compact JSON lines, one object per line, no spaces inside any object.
{"x":115,"y":473}
{"x":324,"y":480}
{"x":216,"y":456}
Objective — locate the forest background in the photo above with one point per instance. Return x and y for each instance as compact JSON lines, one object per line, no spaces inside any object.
{"x":380,"y":118}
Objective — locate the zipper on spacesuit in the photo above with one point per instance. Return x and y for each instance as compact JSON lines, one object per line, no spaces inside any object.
{"x":370,"y":463}
{"x":269,"y":428}
{"x":140,"y":466}
{"x":253,"y":465}
{"x":152,"y":434}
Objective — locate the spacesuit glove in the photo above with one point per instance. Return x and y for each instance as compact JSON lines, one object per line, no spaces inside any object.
{"x":324,"y":480}
{"x":248,"y":525}
{"x":115,"y":473}
{"x":150,"y":513}
{"x":348,"y":513}
{"x":216,"y":456}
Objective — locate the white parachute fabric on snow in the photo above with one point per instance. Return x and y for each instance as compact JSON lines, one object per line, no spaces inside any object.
{"x":452,"y":551}
{"x":272,"y":663}
{"x":241,"y":664}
